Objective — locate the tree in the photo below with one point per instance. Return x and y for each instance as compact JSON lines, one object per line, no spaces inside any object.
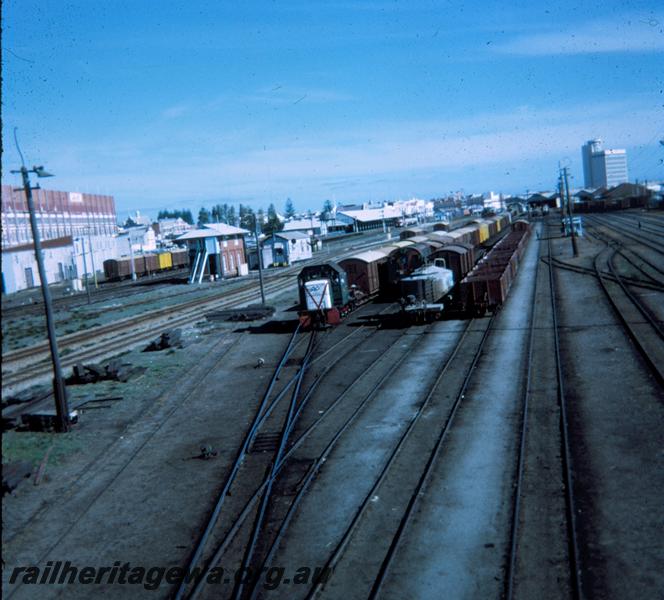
{"x":231,"y":219}
{"x":273,"y":223}
{"x":187,"y":217}
{"x":203,"y":216}
{"x":328,"y":207}
{"x":289,"y":211}
{"x":247,"y":218}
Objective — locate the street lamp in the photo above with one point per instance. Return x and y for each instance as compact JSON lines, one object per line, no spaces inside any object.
{"x":59,"y":390}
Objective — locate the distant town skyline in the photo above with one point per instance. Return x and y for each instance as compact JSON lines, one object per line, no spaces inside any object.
{"x":167,"y":106}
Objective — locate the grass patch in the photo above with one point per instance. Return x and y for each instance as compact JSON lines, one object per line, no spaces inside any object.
{"x":32,"y":446}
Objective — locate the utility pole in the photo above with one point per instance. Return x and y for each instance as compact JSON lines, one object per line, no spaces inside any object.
{"x":131,"y":257}
{"x":260,"y":262}
{"x":575,"y":250}
{"x":59,"y":390}
{"x":92,"y":260}
{"x":85,"y":269}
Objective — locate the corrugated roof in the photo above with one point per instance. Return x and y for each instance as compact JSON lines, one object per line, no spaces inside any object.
{"x":372,"y":214}
{"x":368,"y":256}
{"x":212,"y":230}
{"x":292,"y":235}
{"x":302,"y":224}
{"x":226,"y":229}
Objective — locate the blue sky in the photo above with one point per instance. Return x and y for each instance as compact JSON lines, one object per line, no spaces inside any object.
{"x":168,"y":104}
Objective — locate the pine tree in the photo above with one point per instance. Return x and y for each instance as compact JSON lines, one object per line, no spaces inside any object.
{"x":273,"y":223}
{"x":203,"y":216}
{"x":289,"y":211}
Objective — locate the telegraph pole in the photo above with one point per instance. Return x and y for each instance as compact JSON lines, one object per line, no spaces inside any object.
{"x":59,"y":390}
{"x":575,"y":250}
{"x":131,"y":257}
{"x":85,"y":269}
{"x":260,"y":262}
{"x":92,"y":260}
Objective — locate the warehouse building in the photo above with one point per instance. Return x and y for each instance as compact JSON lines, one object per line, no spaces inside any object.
{"x":369,"y":218}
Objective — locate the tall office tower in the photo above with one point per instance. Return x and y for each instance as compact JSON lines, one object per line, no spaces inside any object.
{"x":603,"y":168}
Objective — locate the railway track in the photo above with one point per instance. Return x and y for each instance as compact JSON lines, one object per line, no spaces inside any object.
{"x":637,"y":260}
{"x":629,"y":233}
{"x":566,"y":453}
{"x":405,"y":453}
{"x":638,"y":321}
{"x":25,"y":366}
{"x":655,"y":226}
{"x":266,"y":419}
{"x":414,"y":429}
{"x":108,"y":291}
{"x":561,"y":264}
{"x":533,"y":381}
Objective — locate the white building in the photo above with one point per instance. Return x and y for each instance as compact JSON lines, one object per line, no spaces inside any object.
{"x":493,"y":201}
{"x":65,"y":259}
{"x":19,"y":266}
{"x":311,"y":226}
{"x":90,"y":252}
{"x":603,"y":168}
{"x":142,"y":238}
{"x":171,"y":228}
{"x":286,"y":247}
{"x":422,"y":210}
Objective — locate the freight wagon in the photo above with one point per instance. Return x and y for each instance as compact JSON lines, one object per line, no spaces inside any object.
{"x":145,"y":264}
{"x":486,"y":286}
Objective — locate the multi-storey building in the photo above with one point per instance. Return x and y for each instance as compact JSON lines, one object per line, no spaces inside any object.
{"x":603,"y":168}
{"x":59,"y":214}
{"x":77,"y":232}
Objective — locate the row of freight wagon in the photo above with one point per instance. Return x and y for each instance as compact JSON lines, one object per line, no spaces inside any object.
{"x":380,"y":271}
{"x":145,"y":264}
{"x":486,"y":286}
{"x":422,"y":266}
{"x":610,"y":205}
{"x":476,"y":232}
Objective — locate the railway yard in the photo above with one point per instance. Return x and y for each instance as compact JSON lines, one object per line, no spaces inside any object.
{"x":515,"y":453}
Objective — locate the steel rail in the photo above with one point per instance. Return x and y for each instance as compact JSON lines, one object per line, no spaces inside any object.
{"x":570,"y":509}
{"x":649,"y":226}
{"x":649,"y":360}
{"x":608,"y":239}
{"x":197,"y":305}
{"x":647,"y":242}
{"x":228,"y":538}
{"x":104,"y":452}
{"x":560,"y":264}
{"x":267,"y":494}
{"x":639,"y":305}
{"x":518,"y":488}
{"x":230,"y":478}
{"x":320,"y":461}
{"x":109,"y":346}
{"x":433,"y":455}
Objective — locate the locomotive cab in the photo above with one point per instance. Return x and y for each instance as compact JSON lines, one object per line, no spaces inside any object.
{"x":324,"y":294}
